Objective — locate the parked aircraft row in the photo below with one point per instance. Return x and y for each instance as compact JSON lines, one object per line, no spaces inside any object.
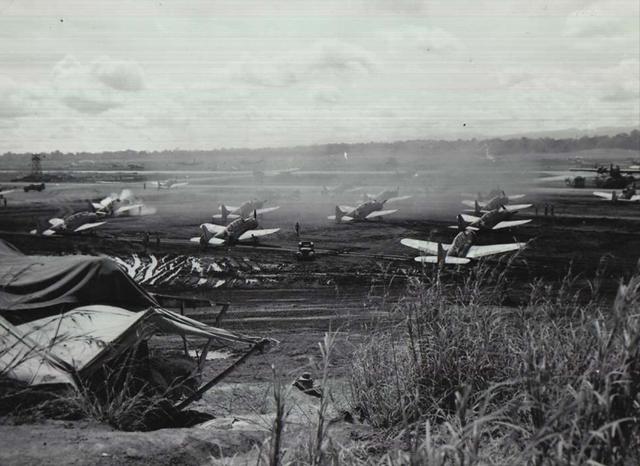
{"x":493,"y":214}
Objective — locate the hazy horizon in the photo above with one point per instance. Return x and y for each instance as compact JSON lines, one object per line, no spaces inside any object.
{"x":111,"y":75}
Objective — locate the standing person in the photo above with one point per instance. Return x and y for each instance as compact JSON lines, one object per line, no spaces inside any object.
{"x":145,"y":241}
{"x":297,"y":227}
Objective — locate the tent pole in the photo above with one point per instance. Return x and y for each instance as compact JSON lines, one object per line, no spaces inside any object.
{"x":184,"y":338}
{"x":198,"y":393}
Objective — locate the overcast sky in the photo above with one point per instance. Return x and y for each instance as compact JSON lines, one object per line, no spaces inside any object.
{"x":115,"y":74}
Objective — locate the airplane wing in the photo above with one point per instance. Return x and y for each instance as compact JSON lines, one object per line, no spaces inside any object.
{"x":480,"y":251}
{"x":177,"y":185}
{"x":97,"y":206}
{"x":266,"y":210}
{"x":585,"y":169}
{"x":425,"y":246}
{"x":2,"y":193}
{"x":514,"y":207}
{"x":380,"y":213}
{"x":47,"y":232}
{"x":231,"y":208}
{"x":346,"y":208}
{"x":469,"y":218}
{"x":127,"y":208}
{"x":399,"y":198}
{"x":510,"y":224}
{"x":603,"y":195}
{"x":447,"y":260}
{"x":88,"y":226}
{"x":344,"y":219}
{"x":250,"y":234}
{"x":213,"y":228}
{"x":515,"y":196}
{"x":212,"y":241}
{"x":55,"y":221}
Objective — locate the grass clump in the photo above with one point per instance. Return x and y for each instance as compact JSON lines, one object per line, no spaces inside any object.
{"x":461,"y":380}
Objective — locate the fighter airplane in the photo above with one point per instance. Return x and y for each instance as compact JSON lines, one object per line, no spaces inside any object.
{"x":497,"y":219}
{"x":628,"y":194}
{"x":502,"y":200}
{"x":240,"y":230}
{"x":246,"y":209}
{"x":612,"y":177}
{"x":366,"y":211}
{"x":460,"y":251}
{"x":168,"y":184}
{"x":74,"y":223}
{"x":116,"y":205}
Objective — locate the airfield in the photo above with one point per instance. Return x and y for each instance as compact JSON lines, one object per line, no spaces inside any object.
{"x":361,"y":269}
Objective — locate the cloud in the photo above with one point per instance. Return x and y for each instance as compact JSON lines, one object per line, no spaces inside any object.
{"x":326,"y":60}
{"x":425,"y":39}
{"x":94,"y":88}
{"x":621,"y":83}
{"x":342,"y":58}
{"x":91,"y":106}
{"x":14,"y":101}
{"x":119,"y":75}
{"x":604,"y":20}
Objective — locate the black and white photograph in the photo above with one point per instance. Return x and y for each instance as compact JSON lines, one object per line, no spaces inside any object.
{"x":320,"y":232}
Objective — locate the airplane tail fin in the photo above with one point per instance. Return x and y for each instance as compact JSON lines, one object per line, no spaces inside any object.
{"x":224,"y":212}
{"x":339,"y":214}
{"x":205,"y":236}
{"x":477,"y":208}
{"x":462,"y":225}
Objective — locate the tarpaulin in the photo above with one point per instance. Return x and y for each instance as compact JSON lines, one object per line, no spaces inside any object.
{"x":32,"y":287}
{"x":55,"y":349}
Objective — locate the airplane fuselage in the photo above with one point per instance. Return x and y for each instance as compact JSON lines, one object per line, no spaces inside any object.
{"x":461,"y":244}
{"x":74,"y":221}
{"x":496,"y":202}
{"x":387,"y":194}
{"x":247,"y":208}
{"x":491,"y":219}
{"x":236,"y":228}
{"x":361,"y":212}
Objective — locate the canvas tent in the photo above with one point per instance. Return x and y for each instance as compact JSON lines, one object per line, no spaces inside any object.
{"x":59,"y":349}
{"x":64,"y":318}
{"x":33,"y":287}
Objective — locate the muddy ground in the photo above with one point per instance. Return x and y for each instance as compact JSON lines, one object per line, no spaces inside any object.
{"x":360,"y":271}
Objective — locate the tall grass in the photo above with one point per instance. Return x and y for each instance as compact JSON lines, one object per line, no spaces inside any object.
{"x":555,"y":381}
